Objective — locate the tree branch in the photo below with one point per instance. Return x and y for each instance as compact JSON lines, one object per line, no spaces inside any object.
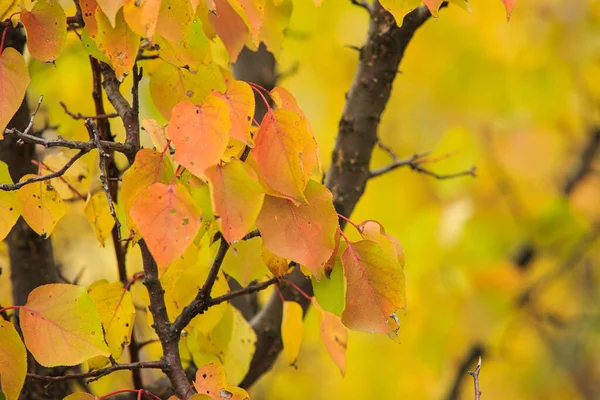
{"x":475,"y":375}
{"x":101,"y":372}
{"x":476,"y":351}
{"x":81,"y":116}
{"x":257,"y":287}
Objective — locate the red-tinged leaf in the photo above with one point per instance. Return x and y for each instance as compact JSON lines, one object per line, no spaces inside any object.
{"x":374,"y":288}
{"x":211,"y":379}
{"x":334,"y":336}
{"x":237,"y":198}
{"x":13,"y":361}
{"x":149,"y":167}
{"x":168,"y":220}
{"x":110,"y":8}
{"x":240,"y":98}
{"x":304,"y":233}
{"x":230,"y":27}
{"x":10,"y":210}
{"x":200,"y":133}
{"x":142,"y":16}
{"x":318,"y":3}
{"x":46,"y":26}
{"x":174,"y":19}
{"x":119,"y":43}
{"x":276,"y":21}
{"x":292,"y":329}
{"x":170,"y":85}
{"x":373,"y":230}
{"x":252,"y":12}
{"x":61,"y":326}
{"x":88,"y":11}
{"x":41,"y":206}
{"x":510,"y":6}
{"x":279,"y":152}
{"x":433,"y":6}
{"x":14,"y":79}
{"x":117,"y":314}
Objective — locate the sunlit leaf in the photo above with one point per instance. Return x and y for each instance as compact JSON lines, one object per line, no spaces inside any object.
{"x":374,"y":231}
{"x":81,"y":396}
{"x":156,"y":132}
{"x":279,"y":152}
{"x":230,"y":27}
{"x":399,"y":8}
{"x":174,"y":19}
{"x":117,"y":313}
{"x":244,"y":261}
{"x":41,"y":206}
{"x":334,"y":336}
{"x":190,"y":52}
{"x":110,"y":8}
{"x":14,"y":79}
{"x":13,"y":361}
{"x":170,"y":85}
{"x":10,"y":210}
{"x":292,"y":328}
{"x":303,"y":233}
{"x":276,"y":21}
{"x":200,"y":133}
{"x":252,"y":12}
{"x":433,"y":6}
{"x":88,"y":11}
{"x":61,"y":326}
{"x":168,"y":220}
{"x":119,"y":43}
{"x":211,"y":379}
{"x":464,"y":4}
{"x":240,"y":98}
{"x":46,"y":26}
{"x":237,"y":198}
{"x":374,"y":288}
{"x":97,"y":212}
{"x":142,"y":16}
{"x":329,"y":292}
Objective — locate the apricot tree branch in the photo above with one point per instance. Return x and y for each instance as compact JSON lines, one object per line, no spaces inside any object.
{"x":98,"y":373}
{"x":475,"y":375}
{"x":81,"y":116}
{"x":257,"y":287}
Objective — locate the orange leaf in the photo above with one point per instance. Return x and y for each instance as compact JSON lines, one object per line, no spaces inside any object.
{"x":334,"y":336}
{"x":303,"y":233}
{"x":46,"y":26}
{"x":174,"y":19}
{"x":211,"y":379}
{"x":168,"y":220}
{"x":110,"y":8}
{"x":279,"y":152}
{"x":61,"y":326}
{"x":142,"y":16}
{"x":275,"y":22}
{"x":88,"y":11}
{"x":119,"y":43}
{"x":13,"y":361}
{"x":41,"y":205}
{"x":374,"y":288}
{"x":200,"y":133}
{"x":240,"y":99}
{"x":433,"y":6}
{"x":253,"y":13}
{"x":156,"y":132}
{"x":237,"y":198}
{"x":14,"y":79}
{"x":510,"y":6}
{"x":374,"y":231}
{"x":230,"y":27}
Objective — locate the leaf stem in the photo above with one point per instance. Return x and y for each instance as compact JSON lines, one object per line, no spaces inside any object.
{"x":302,"y":292}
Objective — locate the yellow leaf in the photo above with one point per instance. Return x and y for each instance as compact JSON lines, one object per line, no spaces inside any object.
{"x":174,"y":19}
{"x":9,"y":212}
{"x":13,"y":361}
{"x":211,"y":379}
{"x":76,"y":177}
{"x":41,"y":205}
{"x":276,"y":21}
{"x":81,"y":396}
{"x":14,"y":79}
{"x":117,"y":313}
{"x":292,"y":329}
{"x":244,"y":261}
{"x":97,"y":212}
{"x":142,"y":16}
{"x":110,"y":8}
{"x":399,"y":8}
{"x":157,"y":133}
{"x":61,"y":325}
{"x":277,"y":265}
{"x":240,"y":99}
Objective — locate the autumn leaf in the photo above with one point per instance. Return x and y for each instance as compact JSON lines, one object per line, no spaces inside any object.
{"x":292,"y":329}
{"x":303,"y":233}
{"x":329,"y":292}
{"x":13,"y":361}
{"x":190,"y":52}
{"x":374,"y":231}
{"x":10,"y":210}
{"x":253,"y":13}
{"x":110,"y":8}
{"x":244,"y":261}
{"x":237,"y":198}
{"x":281,"y":140}
{"x":240,"y":99}
{"x":41,"y":206}
{"x":61,"y":325}
{"x":200,"y":133}
{"x":119,"y":43}
{"x":334,"y":336}
{"x":81,"y":396}
{"x":156,"y":132}
{"x":97,"y":212}
{"x":399,"y":8}
{"x":88,"y":12}
{"x":174,"y":19}
{"x":374,"y":288}
{"x":117,"y":314}
{"x":433,"y":6}
{"x":510,"y":6}
{"x":74,"y":181}
{"x":14,"y":79}
{"x":230,"y":27}
{"x":170,"y":85}
{"x":46,"y":26}
{"x":168,"y":220}
{"x":211,"y":379}
{"x":276,"y":20}
{"x":277,"y":265}
{"x":142,"y":16}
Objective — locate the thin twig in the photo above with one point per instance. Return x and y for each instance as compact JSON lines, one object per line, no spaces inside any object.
{"x":475,"y":375}
{"x":257,"y":287}
{"x":81,"y":116}
{"x":59,"y":173}
{"x":91,"y":127}
{"x":476,"y":351}
{"x":101,"y":372}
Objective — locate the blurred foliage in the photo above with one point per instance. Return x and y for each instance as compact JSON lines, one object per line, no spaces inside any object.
{"x":519,"y":101}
